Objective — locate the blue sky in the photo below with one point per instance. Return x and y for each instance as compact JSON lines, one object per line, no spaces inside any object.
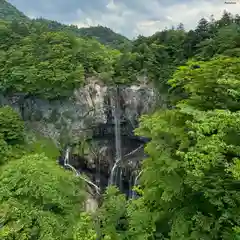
{"x":128,"y":17}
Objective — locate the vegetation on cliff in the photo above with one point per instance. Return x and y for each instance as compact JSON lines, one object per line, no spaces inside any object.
{"x":189,"y":187}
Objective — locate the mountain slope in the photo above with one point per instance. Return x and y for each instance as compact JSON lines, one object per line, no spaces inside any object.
{"x":8,"y":12}
{"x":103,"y":34}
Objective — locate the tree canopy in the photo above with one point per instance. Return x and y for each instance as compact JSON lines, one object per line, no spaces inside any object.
{"x":38,"y":200}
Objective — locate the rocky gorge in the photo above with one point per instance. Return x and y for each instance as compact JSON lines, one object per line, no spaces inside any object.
{"x":84,"y":127}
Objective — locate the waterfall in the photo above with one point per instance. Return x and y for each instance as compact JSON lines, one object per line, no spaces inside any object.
{"x":117,"y":129}
{"x":113,"y":174}
{"x":66,"y":161}
{"x":131,"y":184}
{"x":134,"y":151}
{"x":98,"y":168}
{"x":67,"y":164}
{"x":116,"y":172}
{"x":135,"y":184}
{"x":120,"y":180}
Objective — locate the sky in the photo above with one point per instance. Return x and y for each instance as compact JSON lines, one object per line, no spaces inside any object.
{"x":127,"y":17}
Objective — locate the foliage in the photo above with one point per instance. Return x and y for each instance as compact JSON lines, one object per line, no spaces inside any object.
{"x":194,"y":156}
{"x":140,"y":220}
{"x":226,"y":42}
{"x":40,"y":144}
{"x":105,"y":36}
{"x":84,"y":229}
{"x":159,"y":55}
{"x":38,"y":199}
{"x":112,"y":215}
{"x":5,"y":150}
{"x":82,"y":148}
{"x":126,"y":68}
{"x":50,"y":64}
{"x":11,"y":135}
{"x":11,"y":126}
{"x":102,"y":34}
{"x":95,"y":57}
{"x":212,"y":84}
{"x":155,"y":57}
{"x":9,"y":12}
{"x":49,"y":69}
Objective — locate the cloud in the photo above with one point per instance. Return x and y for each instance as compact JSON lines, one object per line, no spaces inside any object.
{"x":128,"y":17}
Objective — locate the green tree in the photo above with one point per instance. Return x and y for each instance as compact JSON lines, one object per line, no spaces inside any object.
{"x":190,"y":180}
{"x":5,"y":150}
{"x":11,"y":126}
{"x":226,"y":19}
{"x":85,"y":229}
{"x":38,"y":200}
{"x":9,"y":12}
{"x":225,"y":42}
{"x":42,"y":65}
{"x":39,"y":62}
{"x":209,"y":85}
{"x":112,"y":215}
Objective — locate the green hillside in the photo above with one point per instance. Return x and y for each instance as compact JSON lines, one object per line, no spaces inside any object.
{"x":8,"y":12}
{"x":103,"y":34}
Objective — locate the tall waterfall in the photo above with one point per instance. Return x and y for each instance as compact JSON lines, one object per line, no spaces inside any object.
{"x":127,"y":153}
{"x":117,"y":129}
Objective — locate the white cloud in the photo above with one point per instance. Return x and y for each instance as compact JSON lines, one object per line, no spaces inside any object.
{"x":187,"y":13}
{"x":190,"y":14}
{"x":111,"y":5}
{"x":157,"y":16}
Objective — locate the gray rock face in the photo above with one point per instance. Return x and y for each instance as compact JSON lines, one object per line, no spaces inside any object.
{"x":67,"y":120}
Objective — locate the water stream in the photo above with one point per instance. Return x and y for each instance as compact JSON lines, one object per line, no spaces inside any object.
{"x":113,"y":174}
{"x":68,"y":165}
{"x":117,"y":130}
{"x":134,"y":195}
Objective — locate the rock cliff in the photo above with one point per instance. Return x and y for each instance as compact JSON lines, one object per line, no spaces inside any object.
{"x":65,"y":120}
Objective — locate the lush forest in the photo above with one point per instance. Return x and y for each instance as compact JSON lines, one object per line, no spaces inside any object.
{"x":190,"y":183}
{"x":103,"y":34}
